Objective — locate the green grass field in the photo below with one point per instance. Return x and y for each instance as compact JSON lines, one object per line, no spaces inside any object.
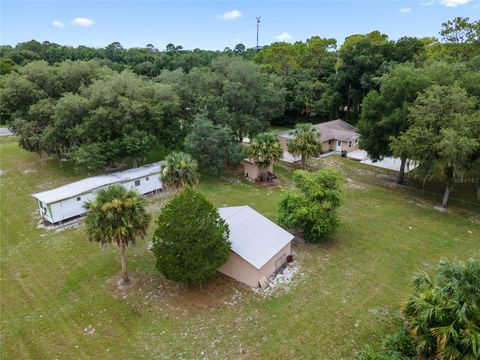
{"x":54,"y":285}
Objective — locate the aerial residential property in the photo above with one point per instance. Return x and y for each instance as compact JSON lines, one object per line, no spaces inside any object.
{"x":335,"y":135}
{"x":240,"y":180}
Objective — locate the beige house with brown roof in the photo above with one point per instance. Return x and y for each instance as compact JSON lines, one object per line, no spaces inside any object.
{"x":335,"y":135}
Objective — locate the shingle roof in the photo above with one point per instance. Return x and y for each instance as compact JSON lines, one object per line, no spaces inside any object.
{"x":331,"y":130}
{"x":82,"y":186}
{"x":254,"y":238}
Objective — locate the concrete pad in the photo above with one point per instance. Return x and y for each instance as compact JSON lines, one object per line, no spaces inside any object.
{"x":290,"y":158}
{"x":5,"y":132}
{"x":358,"y":155}
{"x":387,"y":163}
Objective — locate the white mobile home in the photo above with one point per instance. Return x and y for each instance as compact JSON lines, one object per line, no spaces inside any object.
{"x":67,"y":201}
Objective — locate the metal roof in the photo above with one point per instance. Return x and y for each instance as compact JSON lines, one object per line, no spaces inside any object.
{"x":254,"y":238}
{"x":83,"y":186}
{"x":331,"y":130}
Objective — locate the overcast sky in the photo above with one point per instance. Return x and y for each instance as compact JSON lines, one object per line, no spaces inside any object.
{"x":217,"y":24}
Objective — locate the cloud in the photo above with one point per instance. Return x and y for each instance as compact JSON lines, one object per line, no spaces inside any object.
{"x":82,"y":22}
{"x":427,"y":3}
{"x":454,"y":3}
{"x":406,"y":10}
{"x":231,"y":15}
{"x":58,"y":24}
{"x":284,"y":36}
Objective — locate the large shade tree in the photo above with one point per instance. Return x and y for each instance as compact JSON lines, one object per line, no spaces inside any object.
{"x":305,"y":142}
{"x":213,"y":146}
{"x":180,"y":170}
{"x":265,"y":149}
{"x":443,"y":313}
{"x":117,"y":216}
{"x":191,"y":239}
{"x":444,"y":134}
{"x":385,"y":112}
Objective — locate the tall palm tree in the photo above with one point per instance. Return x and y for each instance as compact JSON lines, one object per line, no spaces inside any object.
{"x":265,"y":149}
{"x":306,"y":142}
{"x":180,"y":170}
{"x":117,"y":216}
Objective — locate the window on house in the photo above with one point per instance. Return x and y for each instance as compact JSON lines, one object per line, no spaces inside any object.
{"x":79,"y":198}
{"x":349,"y":144}
{"x":137,"y":182}
{"x":339,"y":143}
{"x":329,"y":142}
{"x":146,"y":178}
{"x":356,"y":141}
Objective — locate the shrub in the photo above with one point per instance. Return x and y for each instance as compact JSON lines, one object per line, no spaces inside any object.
{"x":190,"y":242}
{"x":312,"y":207}
{"x":443,"y":313}
{"x":397,"y":346}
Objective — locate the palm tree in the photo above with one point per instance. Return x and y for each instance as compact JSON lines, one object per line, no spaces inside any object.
{"x":306,"y":142}
{"x":180,"y":170}
{"x":443,"y":314}
{"x":118,"y":216}
{"x":265,"y":149}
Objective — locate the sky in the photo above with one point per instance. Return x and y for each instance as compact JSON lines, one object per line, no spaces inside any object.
{"x":218,"y":24}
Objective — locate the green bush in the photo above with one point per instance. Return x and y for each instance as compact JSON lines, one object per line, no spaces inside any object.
{"x":312,"y":207}
{"x":190,"y":242}
{"x":443,"y":313}
{"x":397,"y":346}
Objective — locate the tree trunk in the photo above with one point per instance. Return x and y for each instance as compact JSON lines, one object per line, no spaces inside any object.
{"x":445,"y":196}
{"x":477,"y":186}
{"x":303,"y":162}
{"x":401,"y":173}
{"x":448,"y":188}
{"x":125,"y":277}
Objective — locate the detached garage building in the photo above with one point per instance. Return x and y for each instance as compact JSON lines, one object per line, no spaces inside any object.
{"x":67,"y":201}
{"x":259,"y":246}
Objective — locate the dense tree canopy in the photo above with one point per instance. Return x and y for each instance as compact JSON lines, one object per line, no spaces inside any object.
{"x":112,"y":106}
{"x":191,"y":240}
{"x":444,"y":134}
{"x":213,"y":146}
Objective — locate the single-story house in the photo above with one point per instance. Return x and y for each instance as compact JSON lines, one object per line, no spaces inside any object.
{"x":335,"y":135}
{"x":66,"y":202}
{"x":259,"y":246}
{"x":252,"y":170}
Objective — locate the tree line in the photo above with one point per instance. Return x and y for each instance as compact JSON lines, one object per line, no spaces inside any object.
{"x":104,"y":107}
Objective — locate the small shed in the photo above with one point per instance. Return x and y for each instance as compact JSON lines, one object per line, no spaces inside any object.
{"x":253,"y":171}
{"x":259,"y":246}
{"x":66,"y":202}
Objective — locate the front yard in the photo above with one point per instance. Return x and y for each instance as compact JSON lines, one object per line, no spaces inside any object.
{"x":58,"y":300}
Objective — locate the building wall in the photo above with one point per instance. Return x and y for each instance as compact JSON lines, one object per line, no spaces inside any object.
{"x":252,"y":171}
{"x":241,"y":270}
{"x":270,"y":267}
{"x":283,"y":142}
{"x":353,"y":147}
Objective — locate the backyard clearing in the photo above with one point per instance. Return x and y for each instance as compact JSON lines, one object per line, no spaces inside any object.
{"x":59,"y":299}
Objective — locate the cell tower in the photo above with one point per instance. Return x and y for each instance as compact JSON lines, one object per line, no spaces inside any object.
{"x":258,"y":29}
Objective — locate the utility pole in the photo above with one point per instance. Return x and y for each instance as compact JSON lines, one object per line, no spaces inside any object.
{"x":258,"y":29}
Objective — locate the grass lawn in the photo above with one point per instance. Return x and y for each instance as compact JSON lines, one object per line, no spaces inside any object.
{"x":56,"y":287}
